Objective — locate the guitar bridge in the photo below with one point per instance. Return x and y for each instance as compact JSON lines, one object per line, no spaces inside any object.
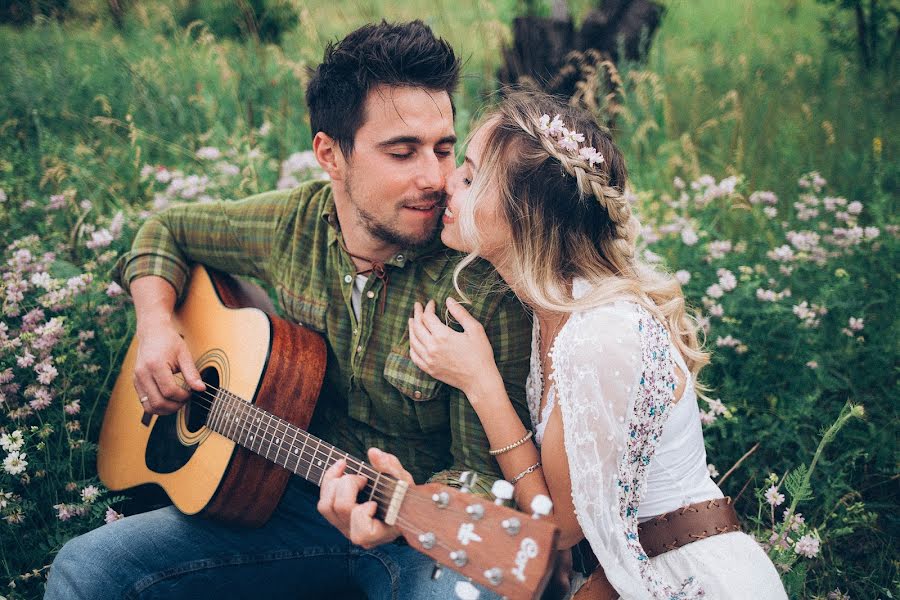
{"x":393,"y":509}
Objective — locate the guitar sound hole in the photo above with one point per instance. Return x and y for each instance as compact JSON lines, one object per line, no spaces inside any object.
{"x":199,"y":405}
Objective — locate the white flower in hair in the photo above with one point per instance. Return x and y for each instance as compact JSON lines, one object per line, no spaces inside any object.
{"x":590,"y":154}
{"x":556,"y":126}
{"x":570,"y":140}
{"x":544,"y":123}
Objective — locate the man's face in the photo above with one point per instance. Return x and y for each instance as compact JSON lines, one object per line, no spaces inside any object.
{"x":402,"y":156}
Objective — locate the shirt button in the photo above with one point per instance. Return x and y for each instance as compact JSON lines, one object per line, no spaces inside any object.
{"x":417,"y":395}
{"x":347,"y":278}
{"x":370,"y":294}
{"x":359,"y":348}
{"x":355,"y":331}
{"x":400,"y":258}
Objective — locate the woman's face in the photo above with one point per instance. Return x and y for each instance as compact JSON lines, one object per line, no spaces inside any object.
{"x":493,"y":230}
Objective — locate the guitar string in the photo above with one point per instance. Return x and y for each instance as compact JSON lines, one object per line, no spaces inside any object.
{"x":364,"y":468}
{"x":236,"y":401}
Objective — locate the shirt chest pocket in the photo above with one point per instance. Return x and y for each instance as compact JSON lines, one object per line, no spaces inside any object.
{"x":307,"y":312}
{"x":430,"y":409}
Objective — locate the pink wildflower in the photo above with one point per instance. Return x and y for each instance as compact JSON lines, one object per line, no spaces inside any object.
{"x":112,"y":515}
{"x":773,"y":497}
{"x":807,"y":546}
{"x":683,"y":276}
{"x":856,"y":324}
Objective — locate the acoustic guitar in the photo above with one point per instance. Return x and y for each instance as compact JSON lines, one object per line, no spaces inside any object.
{"x":229,"y":451}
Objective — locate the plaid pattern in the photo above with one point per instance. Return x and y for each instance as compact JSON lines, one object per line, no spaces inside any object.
{"x":373,"y":393}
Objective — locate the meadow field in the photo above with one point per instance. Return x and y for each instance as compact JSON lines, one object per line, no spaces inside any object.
{"x":763,"y":162}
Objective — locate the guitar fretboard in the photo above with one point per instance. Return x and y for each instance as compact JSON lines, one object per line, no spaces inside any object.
{"x":289,"y":446}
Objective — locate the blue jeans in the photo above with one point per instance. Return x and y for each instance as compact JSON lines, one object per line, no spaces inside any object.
{"x":297,"y":554}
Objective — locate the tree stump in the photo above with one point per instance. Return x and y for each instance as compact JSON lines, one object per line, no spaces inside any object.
{"x":549,"y":54}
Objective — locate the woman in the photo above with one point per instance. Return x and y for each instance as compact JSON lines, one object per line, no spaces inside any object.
{"x":612,"y":391}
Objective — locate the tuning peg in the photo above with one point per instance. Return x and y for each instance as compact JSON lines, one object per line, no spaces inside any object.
{"x":466,"y":591}
{"x":502,"y":491}
{"x":476,"y":511}
{"x":459,"y":558}
{"x":541,"y":506}
{"x":437,"y":572}
{"x":494,"y":575}
{"x":468,"y":479}
{"x":511,"y":525}
{"x":442,"y":499}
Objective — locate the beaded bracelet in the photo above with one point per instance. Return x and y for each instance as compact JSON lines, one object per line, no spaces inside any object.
{"x":515,"y":444}
{"x":530,"y":469}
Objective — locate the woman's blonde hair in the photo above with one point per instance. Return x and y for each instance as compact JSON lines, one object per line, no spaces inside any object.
{"x":569,"y":218}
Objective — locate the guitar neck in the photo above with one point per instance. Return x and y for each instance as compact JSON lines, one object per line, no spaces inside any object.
{"x":293,"y":448}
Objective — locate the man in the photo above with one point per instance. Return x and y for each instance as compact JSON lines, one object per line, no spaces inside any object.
{"x":348,"y":259}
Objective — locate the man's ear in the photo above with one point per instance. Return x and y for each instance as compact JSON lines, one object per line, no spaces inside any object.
{"x":329,"y":155}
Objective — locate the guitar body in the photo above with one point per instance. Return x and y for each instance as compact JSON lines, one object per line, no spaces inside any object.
{"x":277,"y":364}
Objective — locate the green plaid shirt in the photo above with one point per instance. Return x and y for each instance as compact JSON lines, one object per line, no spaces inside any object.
{"x":373,"y":394}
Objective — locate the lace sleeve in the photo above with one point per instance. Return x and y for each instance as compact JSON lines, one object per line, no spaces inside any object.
{"x":614,"y":381}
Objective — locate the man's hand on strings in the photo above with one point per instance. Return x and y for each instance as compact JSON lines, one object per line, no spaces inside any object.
{"x":338,"y":501}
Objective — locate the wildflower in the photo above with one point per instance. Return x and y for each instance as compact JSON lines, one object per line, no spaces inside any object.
{"x":807,"y":546}
{"x":794,"y":521}
{"x":46,"y":372}
{"x":707,"y":417}
{"x":718,"y":248}
{"x":100,"y":239}
{"x":773,"y":497}
{"x":716,"y":406}
{"x":812,"y":364}
{"x":12,"y":442}
{"x":727,"y":280}
{"x":856,"y":324}
{"x":90,"y":493}
{"x":783,"y":253}
{"x":870,"y":233}
{"x":15,"y":518}
{"x":683,"y":276}
{"x":73,"y":407}
{"x":15,"y":463}
{"x":64,"y":512}
{"x":689,"y":236}
{"x":770,"y":211}
{"x":836,"y":593}
{"x":112,"y":515}
{"x":208,"y":153}
{"x":228,"y":169}
{"x":727,"y":342}
{"x":678,"y":182}
{"x":855,"y":207}
{"x":713,"y":471}
{"x":715,"y":291}
{"x":264,"y":129}
{"x":554,"y":127}
{"x":761,"y":197}
{"x":26,"y":360}
{"x":766,"y":295}
{"x":716,"y":310}
{"x":114,"y":289}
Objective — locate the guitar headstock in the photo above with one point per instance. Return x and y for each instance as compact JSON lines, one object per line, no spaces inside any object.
{"x":507,"y":551}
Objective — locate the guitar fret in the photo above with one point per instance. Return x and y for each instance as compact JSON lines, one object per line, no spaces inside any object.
{"x":327,"y":464}
{"x":289,"y":446}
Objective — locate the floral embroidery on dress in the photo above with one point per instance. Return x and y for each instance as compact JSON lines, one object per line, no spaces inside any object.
{"x":656,"y":392}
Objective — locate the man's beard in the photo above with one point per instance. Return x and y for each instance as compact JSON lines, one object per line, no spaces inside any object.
{"x":387,"y":233}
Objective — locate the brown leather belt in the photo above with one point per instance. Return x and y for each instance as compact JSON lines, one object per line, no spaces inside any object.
{"x":661,"y":534}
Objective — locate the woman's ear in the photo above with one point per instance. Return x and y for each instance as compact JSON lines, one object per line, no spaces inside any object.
{"x":328,"y":153}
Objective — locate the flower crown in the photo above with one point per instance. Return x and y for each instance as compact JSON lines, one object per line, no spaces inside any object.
{"x":568,"y":140}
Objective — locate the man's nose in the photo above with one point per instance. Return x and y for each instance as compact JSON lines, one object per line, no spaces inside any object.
{"x":432,"y":175}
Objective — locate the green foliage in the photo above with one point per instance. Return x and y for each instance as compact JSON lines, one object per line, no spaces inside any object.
{"x":25,"y":12}
{"x":97,"y":121}
{"x":261,"y":20}
{"x":870,"y":30}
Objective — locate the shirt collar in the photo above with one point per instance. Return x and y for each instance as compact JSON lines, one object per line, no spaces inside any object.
{"x":434,"y":257}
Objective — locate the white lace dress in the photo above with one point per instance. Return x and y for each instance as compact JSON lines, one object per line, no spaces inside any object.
{"x":614,"y":380}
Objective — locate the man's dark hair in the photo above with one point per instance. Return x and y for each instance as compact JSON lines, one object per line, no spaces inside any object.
{"x":394,"y":54}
